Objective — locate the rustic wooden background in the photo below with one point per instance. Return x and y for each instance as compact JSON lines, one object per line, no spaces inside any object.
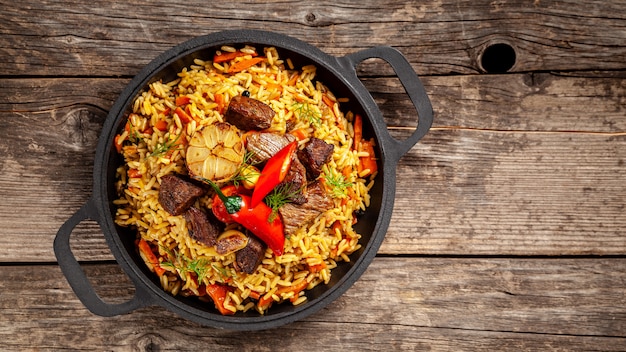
{"x":508,"y":228}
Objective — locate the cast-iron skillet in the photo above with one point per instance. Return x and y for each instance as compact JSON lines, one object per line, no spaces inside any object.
{"x":339,"y":74}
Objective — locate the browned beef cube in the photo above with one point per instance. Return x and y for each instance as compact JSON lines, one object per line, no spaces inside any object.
{"x":295,"y":180}
{"x":314,"y":155}
{"x":249,"y":258}
{"x":176,"y":194}
{"x":263,"y":145}
{"x":202,"y":226}
{"x":249,"y":114}
{"x":295,"y":216}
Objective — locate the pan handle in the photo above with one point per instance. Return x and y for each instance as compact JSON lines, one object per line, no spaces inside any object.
{"x":414,"y":89}
{"x":76,"y":276}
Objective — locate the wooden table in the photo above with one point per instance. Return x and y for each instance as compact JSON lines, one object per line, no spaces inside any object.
{"x":508,"y":228}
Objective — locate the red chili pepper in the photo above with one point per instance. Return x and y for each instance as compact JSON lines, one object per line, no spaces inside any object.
{"x":236,"y":207}
{"x":219,"y":208}
{"x":273,"y":173}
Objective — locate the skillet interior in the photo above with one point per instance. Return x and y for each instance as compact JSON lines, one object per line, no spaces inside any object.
{"x":123,"y":237}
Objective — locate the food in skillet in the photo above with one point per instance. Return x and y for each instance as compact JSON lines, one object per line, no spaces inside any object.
{"x":242,"y":180}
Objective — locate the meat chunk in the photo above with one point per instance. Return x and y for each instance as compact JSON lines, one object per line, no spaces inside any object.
{"x":263,"y":145}
{"x":177,"y":194}
{"x":295,"y":180}
{"x":314,"y":155}
{"x":202,"y":226}
{"x":295,"y":216}
{"x":249,"y":114}
{"x":249,"y":258}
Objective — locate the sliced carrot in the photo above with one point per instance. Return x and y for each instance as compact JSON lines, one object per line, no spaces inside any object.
{"x":118,"y":141}
{"x":264,"y":302}
{"x":296,"y":289}
{"x":178,"y":145}
{"x":219,"y":99}
{"x":346,"y":172}
{"x":227,"y":56}
{"x":274,"y":86}
{"x":328,"y":101}
{"x":254,"y":295}
{"x":182,"y":115}
{"x":149,"y":257}
{"x":244,"y":64}
{"x":317,"y":268}
{"x":292,"y":80}
{"x":336,"y":225}
{"x":218,"y":293}
{"x":161,"y":125}
{"x":182,"y":100}
{"x":368,"y":162}
{"x":134,"y":173}
{"x":358,"y":131}
{"x":300,"y":133}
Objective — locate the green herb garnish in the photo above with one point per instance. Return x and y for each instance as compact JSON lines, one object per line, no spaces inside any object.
{"x":307,"y":112}
{"x":133,"y":134}
{"x":280,"y":196}
{"x":245,"y":173}
{"x":186,"y":265}
{"x":164,"y":147}
{"x":337,"y":183}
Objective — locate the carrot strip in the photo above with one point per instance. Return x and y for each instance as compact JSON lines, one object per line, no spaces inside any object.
{"x":182,"y":115}
{"x":317,"y":268}
{"x":229,"y":56}
{"x":219,"y":99}
{"x":242,"y":65}
{"x":148,"y":255}
{"x":264,"y":302}
{"x":274,"y":86}
{"x":134,"y":173}
{"x":299,"y":133}
{"x":218,"y":293}
{"x":161,"y":125}
{"x":118,"y":141}
{"x":292,"y":80}
{"x":328,"y":101}
{"x":358,"y":131}
{"x":368,"y":162}
{"x":182,"y":100}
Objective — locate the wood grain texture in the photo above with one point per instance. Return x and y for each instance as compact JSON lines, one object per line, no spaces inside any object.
{"x":116,"y":38}
{"x":496,"y":173}
{"x":442,"y":304}
{"x":507,"y":231}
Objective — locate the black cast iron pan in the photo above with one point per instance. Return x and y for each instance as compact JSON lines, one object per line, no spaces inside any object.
{"x":339,"y":74}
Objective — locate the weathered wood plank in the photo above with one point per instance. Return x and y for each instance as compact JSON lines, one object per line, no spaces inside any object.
{"x":498,"y":174}
{"x":443,"y":304}
{"x":512,"y":193}
{"x":77,"y":38}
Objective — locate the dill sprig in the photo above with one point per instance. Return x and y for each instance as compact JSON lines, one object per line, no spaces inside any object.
{"x":245,"y":173}
{"x":307,"y":112}
{"x":280,"y":196}
{"x":184,"y":265}
{"x":337,"y":183}
{"x":162,"y":148}
{"x":133,"y":134}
